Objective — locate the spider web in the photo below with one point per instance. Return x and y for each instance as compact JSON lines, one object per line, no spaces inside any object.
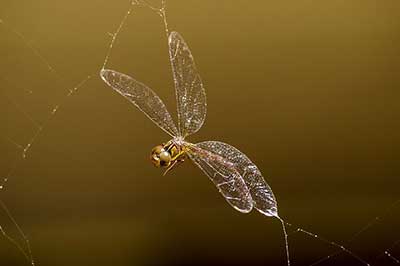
{"x":15,"y":96}
{"x":35,"y":119}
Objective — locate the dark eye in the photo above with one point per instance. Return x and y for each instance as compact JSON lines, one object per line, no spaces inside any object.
{"x":157,"y":149}
{"x":165,"y":158}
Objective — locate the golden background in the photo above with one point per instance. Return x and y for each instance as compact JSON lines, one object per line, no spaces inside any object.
{"x":309,"y":90}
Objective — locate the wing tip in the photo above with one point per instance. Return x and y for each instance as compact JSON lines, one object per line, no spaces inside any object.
{"x":174,"y":35}
{"x":109,"y":76}
{"x":272,"y":212}
{"x":103,"y":74}
{"x":247,"y":210}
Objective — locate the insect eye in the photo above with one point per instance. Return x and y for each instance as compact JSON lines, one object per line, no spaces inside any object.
{"x":155,"y":160}
{"x":155,"y":155}
{"x":165,"y":158}
{"x":157,"y":150}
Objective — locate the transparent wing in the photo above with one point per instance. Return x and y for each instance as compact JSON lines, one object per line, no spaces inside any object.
{"x":216,"y":152}
{"x":190,"y":94}
{"x":224,"y":175}
{"x":142,"y":97}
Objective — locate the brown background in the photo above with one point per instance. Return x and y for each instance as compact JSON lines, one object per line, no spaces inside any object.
{"x":307,"y":89}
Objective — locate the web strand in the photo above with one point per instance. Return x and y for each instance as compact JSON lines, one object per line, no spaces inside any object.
{"x":370,"y":224}
{"x":388,"y":253}
{"x":26,"y":252}
{"x":160,"y":11}
{"x":393,"y":258}
{"x":286,"y":239}
{"x":329,"y":242}
{"x":23,"y":155}
{"x":116,"y":33}
{"x":22,"y":111}
{"x":22,"y":150}
{"x":34,"y":50}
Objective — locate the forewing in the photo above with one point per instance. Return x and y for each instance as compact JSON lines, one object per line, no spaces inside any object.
{"x":190,"y":93}
{"x":225,"y":177}
{"x":142,"y":97}
{"x":261,"y":194}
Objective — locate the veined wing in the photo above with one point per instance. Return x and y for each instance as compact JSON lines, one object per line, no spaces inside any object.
{"x":261,"y":194}
{"x":190,"y":94}
{"x":224,"y":175}
{"x":142,"y":97}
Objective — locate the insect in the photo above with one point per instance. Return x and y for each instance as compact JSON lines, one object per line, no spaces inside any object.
{"x":233,"y":173}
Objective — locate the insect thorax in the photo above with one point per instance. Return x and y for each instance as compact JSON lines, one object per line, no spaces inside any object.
{"x":168,"y":154}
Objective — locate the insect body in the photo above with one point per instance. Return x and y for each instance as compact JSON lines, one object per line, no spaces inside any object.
{"x":233,"y":173}
{"x":168,"y":155}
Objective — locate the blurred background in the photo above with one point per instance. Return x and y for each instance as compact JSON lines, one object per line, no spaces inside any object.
{"x":307,"y":89}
